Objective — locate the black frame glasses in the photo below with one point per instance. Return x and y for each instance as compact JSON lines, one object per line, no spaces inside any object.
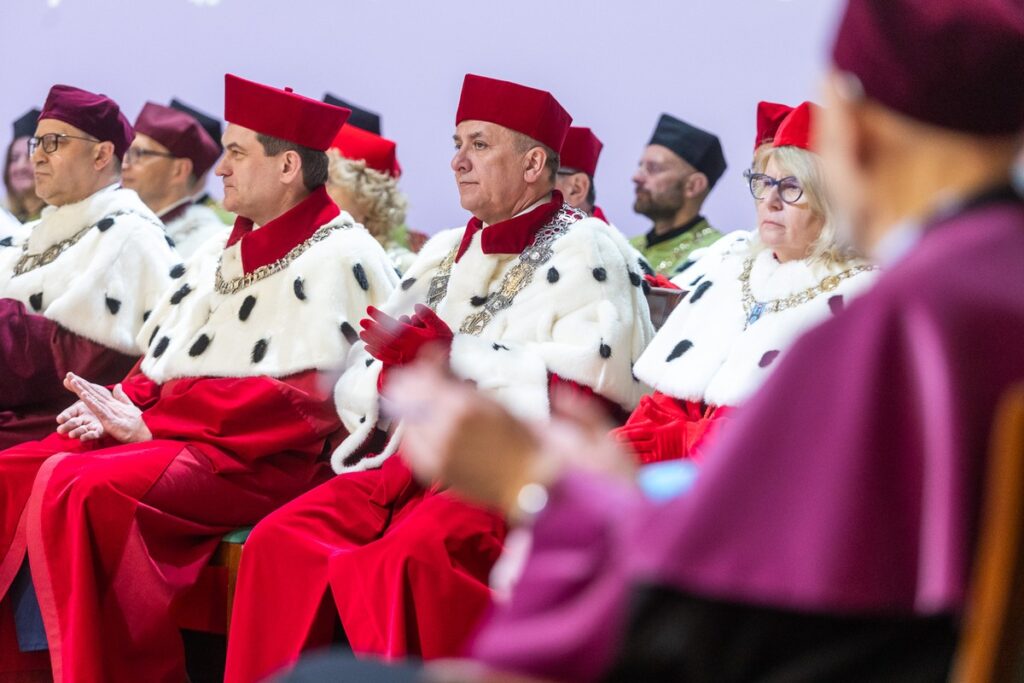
{"x":134,"y":155}
{"x":51,"y":141}
{"x":760,"y":184}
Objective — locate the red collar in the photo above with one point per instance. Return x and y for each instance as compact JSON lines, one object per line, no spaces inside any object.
{"x":281,"y":235}
{"x":599,"y":214}
{"x":511,"y":236}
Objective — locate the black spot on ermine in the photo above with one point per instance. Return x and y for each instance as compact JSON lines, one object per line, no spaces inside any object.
{"x":605,"y":351}
{"x":553,"y":275}
{"x":360,"y":274}
{"x":699,"y":292}
{"x":161,"y":346}
{"x":406,"y":284}
{"x":767,"y":359}
{"x":180,"y":294}
{"x":104,"y":224}
{"x":36,"y":301}
{"x":351,"y":336}
{"x":113,"y":305}
{"x":600,"y":274}
{"x":679,"y":349}
{"x":259,"y":350}
{"x":246,"y":308}
{"x":199,"y":346}
{"x":178,"y":270}
{"x":299,"y":287}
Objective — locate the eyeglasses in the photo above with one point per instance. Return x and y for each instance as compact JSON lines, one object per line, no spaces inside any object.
{"x":134,"y":155}
{"x":51,"y":141}
{"x":790,"y":189}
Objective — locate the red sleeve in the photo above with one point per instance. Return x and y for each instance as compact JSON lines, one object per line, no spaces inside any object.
{"x":251,"y":417}
{"x":614,"y":411}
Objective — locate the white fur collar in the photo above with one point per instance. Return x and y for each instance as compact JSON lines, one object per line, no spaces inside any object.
{"x":194,"y":227}
{"x":703,"y":352}
{"x":583,"y":317}
{"x":303,"y":317}
{"x":104,"y":285}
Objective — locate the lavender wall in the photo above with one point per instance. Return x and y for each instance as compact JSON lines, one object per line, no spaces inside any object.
{"x":614,"y":65}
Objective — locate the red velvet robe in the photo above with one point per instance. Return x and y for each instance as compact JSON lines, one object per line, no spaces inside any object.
{"x":405,"y":567}
{"x":128,"y":527}
{"x":35,"y":355}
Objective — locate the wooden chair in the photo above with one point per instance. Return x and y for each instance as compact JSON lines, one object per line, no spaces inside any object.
{"x":991,"y":648}
{"x":207,"y":605}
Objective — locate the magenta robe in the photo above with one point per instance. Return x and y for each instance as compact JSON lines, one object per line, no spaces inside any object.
{"x":849,"y":485}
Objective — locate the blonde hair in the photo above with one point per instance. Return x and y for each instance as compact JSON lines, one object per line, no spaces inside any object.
{"x":377,"y":194}
{"x":807,"y":168}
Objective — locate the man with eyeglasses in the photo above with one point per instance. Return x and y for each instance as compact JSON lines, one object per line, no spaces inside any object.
{"x":166,"y":163}
{"x":677,"y":171}
{"x":76,"y":287}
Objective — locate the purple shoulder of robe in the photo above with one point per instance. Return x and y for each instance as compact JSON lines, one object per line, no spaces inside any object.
{"x":850,"y":484}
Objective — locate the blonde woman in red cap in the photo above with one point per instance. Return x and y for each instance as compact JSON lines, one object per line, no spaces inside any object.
{"x":529,"y":297}
{"x":228,"y":415}
{"x":363,"y":180}
{"x":748,"y":299}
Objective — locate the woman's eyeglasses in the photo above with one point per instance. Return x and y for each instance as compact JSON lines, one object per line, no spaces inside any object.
{"x":790,"y":189}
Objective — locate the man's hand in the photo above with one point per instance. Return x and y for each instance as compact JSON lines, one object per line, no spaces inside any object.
{"x":113,"y":412}
{"x":397,"y":342}
{"x":77,"y":422}
{"x":458,"y":436}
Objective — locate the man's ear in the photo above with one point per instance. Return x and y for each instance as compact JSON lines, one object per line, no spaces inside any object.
{"x":104,"y":155}
{"x":534,"y":164}
{"x":579,"y":186}
{"x":291,"y":167}
{"x":696,"y":185}
{"x":182,"y":170}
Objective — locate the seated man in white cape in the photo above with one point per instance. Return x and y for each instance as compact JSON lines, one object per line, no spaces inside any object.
{"x":530,"y":295}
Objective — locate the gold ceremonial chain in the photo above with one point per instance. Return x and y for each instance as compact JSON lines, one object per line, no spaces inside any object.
{"x":515,"y":280}
{"x":754,"y":309}
{"x":29,"y":262}
{"x":242,"y":281}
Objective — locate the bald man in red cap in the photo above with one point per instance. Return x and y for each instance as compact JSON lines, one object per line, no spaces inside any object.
{"x":228,"y":415}
{"x":530,"y":295}
{"x":76,"y":285}
{"x":166,"y":165}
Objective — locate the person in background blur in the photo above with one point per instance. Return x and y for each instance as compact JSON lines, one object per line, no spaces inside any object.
{"x":676,"y":173}
{"x":19,"y":180}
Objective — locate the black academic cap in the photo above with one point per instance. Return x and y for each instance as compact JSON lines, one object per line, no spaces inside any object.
{"x":360,"y":118}
{"x":25,"y":125}
{"x":210,"y":125}
{"x":697,"y":147}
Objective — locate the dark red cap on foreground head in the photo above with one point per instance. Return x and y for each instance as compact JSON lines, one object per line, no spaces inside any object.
{"x":958,"y":64}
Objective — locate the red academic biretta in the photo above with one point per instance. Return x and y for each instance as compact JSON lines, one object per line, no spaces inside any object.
{"x":181,"y":134}
{"x":769,"y":116}
{"x":532,"y":112}
{"x":378,"y":152}
{"x":950,"y":63}
{"x":96,"y":115}
{"x":281,"y":113}
{"x":581,"y":150}
{"x":795,"y":130}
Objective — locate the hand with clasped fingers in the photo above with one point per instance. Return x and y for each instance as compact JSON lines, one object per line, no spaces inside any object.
{"x":100,"y":412}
